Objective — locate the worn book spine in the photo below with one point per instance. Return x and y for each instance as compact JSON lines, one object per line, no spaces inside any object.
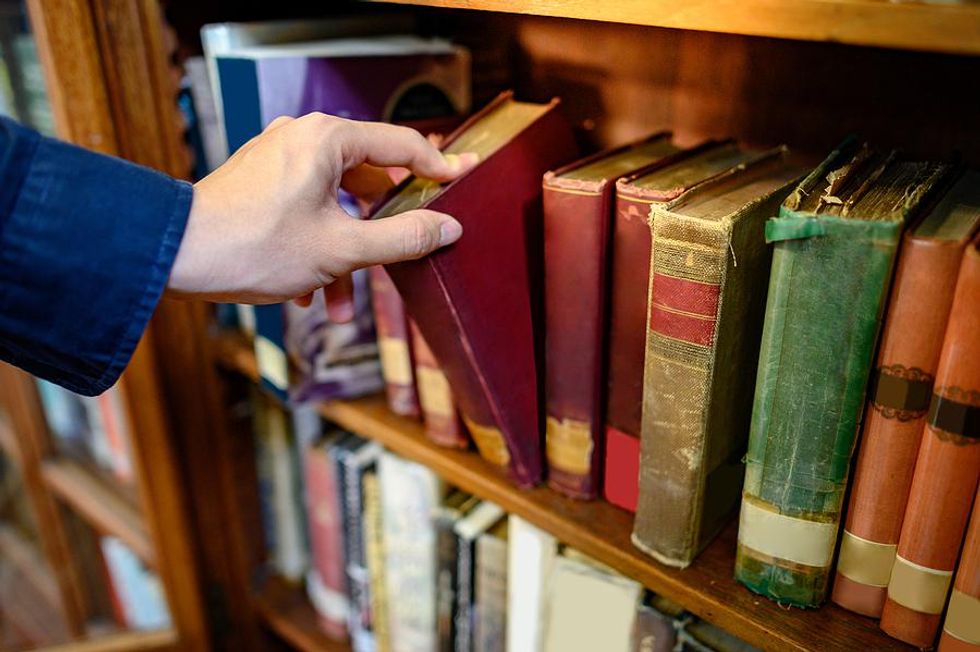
{"x":817,"y":345}
{"x":446,"y":581}
{"x":911,"y":340}
{"x":576,"y":234}
{"x":490,"y":629}
{"x":442,"y":423}
{"x":374,"y":542}
{"x":327,"y":585}
{"x":394,"y":344}
{"x":946,"y":474}
{"x":961,"y":627}
{"x":705,"y":320}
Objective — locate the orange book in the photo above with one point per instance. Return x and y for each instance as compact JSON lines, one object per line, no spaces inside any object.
{"x":961,"y":629}
{"x":946,"y":474}
{"x":442,"y":423}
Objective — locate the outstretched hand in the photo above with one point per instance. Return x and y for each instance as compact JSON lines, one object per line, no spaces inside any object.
{"x":267,"y":226}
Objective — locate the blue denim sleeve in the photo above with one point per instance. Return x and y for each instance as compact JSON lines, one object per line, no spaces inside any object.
{"x":86,"y":246}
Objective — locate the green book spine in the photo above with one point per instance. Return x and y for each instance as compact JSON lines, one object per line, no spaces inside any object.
{"x":826,"y":293}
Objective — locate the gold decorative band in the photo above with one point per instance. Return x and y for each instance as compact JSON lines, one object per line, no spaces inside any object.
{"x":569,"y":445}
{"x":779,"y":536}
{"x":963,"y":617}
{"x":917,"y":587}
{"x":434,"y":393}
{"x":489,"y":441}
{"x":396,"y":362}
{"x":866,"y":562}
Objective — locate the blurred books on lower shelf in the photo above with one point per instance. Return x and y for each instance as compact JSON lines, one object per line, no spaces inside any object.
{"x":137,"y":594}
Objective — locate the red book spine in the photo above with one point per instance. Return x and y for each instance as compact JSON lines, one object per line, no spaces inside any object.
{"x":911,"y":342}
{"x":946,"y":474}
{"x":394,"y":344}
{"x":961,"y":628}
{"x":576,"y":234}
{"x":442,"y":423}
{"x":326,"y":531}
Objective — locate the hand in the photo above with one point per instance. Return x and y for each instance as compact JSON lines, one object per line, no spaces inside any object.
{"x":267,"y":227}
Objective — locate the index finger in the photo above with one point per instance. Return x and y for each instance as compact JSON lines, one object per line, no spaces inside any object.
{"x":385,"y":145}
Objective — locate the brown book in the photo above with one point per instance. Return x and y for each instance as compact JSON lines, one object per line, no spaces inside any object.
{"x":946,"y":473}
{"x":661,"y":182}
{"x":899,"y":400}
{"x":442,"y":422}
{"x":577,"y":211}
{"x":394,"y":344}
{"x":961,"y":628}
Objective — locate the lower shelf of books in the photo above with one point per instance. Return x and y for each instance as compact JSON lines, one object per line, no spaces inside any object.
{"x":286,"y":610}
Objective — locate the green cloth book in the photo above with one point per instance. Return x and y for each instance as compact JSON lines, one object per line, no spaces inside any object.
{"x":835,"y":241}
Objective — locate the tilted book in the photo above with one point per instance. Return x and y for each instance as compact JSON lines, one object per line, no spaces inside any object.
{"x":394,"y":344}
{"x":836,"y":237}
{"x":478,"y":301}
{"x":442,"y":423}
{"x":898,"y":401}
{"x":709,"y":266}
{"x":660,"y":182}
{"x":577,"y":214}
{"x":961,"y":627}
{"x":946,"y":474}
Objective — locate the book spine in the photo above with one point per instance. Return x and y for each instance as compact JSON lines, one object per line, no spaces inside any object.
{"x":270,"y":350}
{"x":394,"y":344}
{"x":961,"y":627}
{"x":531,"y":555}
{"x":358,"y":579}
{"x":808,"y":401}
{"x":576,"y":234}
{"x":446,"y":581}
{"x":490,"y":631}
{"x":328,"y":588}
{"x":946,"y":474}
{"x":653,"y":631}
{"x":442,"y":423}
{"x":629,"y":274}
{"x":912,"y":337}
{"x":465,"y":577}
{"x":374,"y":543}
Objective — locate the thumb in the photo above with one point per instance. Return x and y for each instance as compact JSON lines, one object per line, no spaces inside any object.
{"x":405,"y":236}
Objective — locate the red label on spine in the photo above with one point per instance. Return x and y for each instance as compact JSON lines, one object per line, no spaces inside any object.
{"x":683,"y":309}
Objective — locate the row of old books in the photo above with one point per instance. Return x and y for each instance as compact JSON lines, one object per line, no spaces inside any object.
{"x":395,"y":559}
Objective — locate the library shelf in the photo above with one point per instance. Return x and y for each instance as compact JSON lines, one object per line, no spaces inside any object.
{"x":158,"y":640}
{"x":285,"y":609}
{"x":101,"y":504}
{"x":600,"y":530}
{"x":952,"y":28}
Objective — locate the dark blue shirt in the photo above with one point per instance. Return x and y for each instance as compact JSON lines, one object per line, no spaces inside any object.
{"x":86,"y":246}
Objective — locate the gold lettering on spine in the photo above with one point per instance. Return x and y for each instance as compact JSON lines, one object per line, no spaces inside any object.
{"x":569,"y":445}
{"x":489,"y":441}
{"x":866,"y":562}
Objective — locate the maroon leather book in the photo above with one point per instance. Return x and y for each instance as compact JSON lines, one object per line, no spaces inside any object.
{"x":394,"y":344}
{"x":442,"y":422}
{"x":577,"y":213}
{"x":478,"y":302}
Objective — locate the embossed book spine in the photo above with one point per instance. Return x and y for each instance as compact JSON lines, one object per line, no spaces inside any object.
{"x":901,"y":387}
{"x":829,"y":279}
{"x":705,"y":321}
{"x":961,"y":627}
{"x":442,"y":423}
{"x":394,"y":344}
{"x":946,"y":474}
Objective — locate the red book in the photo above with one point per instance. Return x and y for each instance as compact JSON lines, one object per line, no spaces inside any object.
{"x":326,"y":583}
{"x":946,"y":474}
{"x":442,"y":422}
{"x":577,"y":214}
{"x":394,"y":344}
{"x":478,"y":302}
{"x":961,"y":628}
{"x":629,"y":273}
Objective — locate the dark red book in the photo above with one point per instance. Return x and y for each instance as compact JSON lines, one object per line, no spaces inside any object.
{"x":478,"y":302}
{"x":442,"y":422}
{"x":394,"y":344}
{"x":578,"y":202}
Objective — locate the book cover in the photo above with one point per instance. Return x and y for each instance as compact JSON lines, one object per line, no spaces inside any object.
{"x":480,"y":519}
{"x":961,"y":626}
{"x":374,"y":545}
{"x":442,"y":423}
{"x":708,"y":267}
{"x":577,"y":203}
{"x":394,"y":344}
{"x":901,"y":386}
{"x":531,"y":556}
{"x":661,"y":182}
{"x":457,"y":505}
{"x":835,"y":241}
{"x":946,"y":474}
{"x":486,"y":328}
{"x":409,"y":494}
{"x":490,"y":608}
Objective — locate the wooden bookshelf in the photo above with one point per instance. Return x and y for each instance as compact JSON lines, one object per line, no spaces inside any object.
{"x":950,"y":28}
{"x":288,"y":613}
{"x":602,"y":531}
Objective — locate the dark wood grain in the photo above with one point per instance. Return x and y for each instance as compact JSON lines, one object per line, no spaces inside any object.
{"x":286,"y":611}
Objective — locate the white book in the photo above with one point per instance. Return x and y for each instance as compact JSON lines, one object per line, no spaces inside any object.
{"x":289,"y":554}
{"x":531,"y":556}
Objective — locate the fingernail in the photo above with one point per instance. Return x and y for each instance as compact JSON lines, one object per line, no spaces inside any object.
{"x":449,"y":232}
{"x":469,"y":159}
{"x":453,"y":161}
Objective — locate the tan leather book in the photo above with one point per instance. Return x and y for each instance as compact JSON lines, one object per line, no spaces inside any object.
{"x":961,"y":627}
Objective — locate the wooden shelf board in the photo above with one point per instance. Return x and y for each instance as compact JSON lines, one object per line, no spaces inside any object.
{"x":931,"y":27}
{"x":707,"y":588}
{"x":103,"y":506}
{"x":160,"y":640}
{"x":286,"y":611}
